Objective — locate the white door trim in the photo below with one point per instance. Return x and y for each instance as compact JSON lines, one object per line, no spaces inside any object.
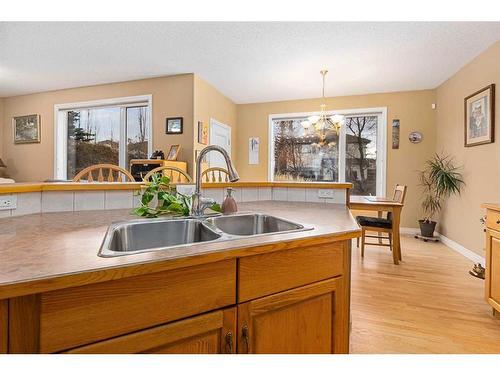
{"x":222,"y":125}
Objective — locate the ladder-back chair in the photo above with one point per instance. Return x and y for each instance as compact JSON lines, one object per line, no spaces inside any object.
{"x":103,"y":173}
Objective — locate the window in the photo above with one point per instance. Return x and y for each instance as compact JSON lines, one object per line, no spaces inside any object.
{"x":114,"y":132}
{"x":356,"y":155}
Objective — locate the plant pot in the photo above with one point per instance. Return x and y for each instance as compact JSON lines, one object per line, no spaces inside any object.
{"x":427,"y":228}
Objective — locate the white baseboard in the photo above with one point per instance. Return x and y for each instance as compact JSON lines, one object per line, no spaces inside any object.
{"x":469,"y":254}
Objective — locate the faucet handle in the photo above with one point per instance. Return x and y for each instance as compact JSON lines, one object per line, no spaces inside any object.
{"x":206,"y":203}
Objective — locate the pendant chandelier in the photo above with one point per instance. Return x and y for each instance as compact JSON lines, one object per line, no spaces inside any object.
{"x":320,"y":125}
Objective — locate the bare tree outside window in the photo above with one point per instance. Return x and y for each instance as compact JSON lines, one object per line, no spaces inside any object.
{"x":300,"y":156}
{"x":361,"y":154}
{"x":137,"y":133}
{"x":94,"y":136}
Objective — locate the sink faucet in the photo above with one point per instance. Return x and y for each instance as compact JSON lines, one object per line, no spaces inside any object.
{"x":200,"y":204}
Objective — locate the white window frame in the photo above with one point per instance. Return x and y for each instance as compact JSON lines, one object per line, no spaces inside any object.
{"x":61,"y":127}
{"x":380,"y":112}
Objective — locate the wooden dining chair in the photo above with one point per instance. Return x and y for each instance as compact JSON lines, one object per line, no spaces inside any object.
{"x":176,"y":175}
{"x":103,"y":173}
{"x":215,"y":174}
{"x":381,"y":225}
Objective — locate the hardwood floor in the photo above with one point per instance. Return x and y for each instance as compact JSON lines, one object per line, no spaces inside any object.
{"x":427,"y":304}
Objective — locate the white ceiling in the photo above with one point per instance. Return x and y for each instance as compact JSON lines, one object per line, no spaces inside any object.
{"x":247,"y":61}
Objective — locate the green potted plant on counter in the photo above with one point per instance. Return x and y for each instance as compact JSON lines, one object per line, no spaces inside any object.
{"x":159,"y":197}
{"x":440,"y":179}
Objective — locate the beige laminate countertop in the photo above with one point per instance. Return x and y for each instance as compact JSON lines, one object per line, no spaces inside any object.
{"x":49,"y":251}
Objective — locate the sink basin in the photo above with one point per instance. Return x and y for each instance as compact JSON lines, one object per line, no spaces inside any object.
{"x":144,"y":235}
{"x":252,"y":224}
{"x":148,"y":235}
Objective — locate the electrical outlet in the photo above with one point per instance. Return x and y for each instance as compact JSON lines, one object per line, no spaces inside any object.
{"x":325,"y":193}
{"x":8,"y":202}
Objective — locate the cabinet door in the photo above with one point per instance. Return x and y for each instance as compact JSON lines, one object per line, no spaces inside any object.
{"x":309,"y":319}
{"x":205,"y":334}
{"x":493,"y":269}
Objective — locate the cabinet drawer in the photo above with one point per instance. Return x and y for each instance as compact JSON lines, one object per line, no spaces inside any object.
{"x":209,"y":333}
{"x":265,"y":274}
{"x":493,"y":220}
{"x":81,"y":315}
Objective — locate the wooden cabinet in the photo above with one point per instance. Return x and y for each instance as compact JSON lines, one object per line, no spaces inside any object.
{"x":72,"y":317}
{"x":265,"y":274}
{"x":4,"y":326}
{"x":492,"y":281}
{"x":286,"y":301}
{"x":308,"y":319}
{"x":210,"y":333}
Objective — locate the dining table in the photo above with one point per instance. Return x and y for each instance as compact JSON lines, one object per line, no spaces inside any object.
{"x":381,"y":205}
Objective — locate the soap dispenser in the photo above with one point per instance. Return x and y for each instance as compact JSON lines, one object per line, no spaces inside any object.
{"x":229,"y":205}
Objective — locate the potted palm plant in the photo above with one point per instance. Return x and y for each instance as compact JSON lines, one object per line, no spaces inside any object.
{"x":440,"y":179}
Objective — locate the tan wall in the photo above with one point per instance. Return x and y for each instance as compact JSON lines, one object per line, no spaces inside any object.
{"x":210,"y":103}
{"x":172,"y":97}
{"x":460,"y":218}
{"x":1,"y":128}
{"x":413,"y":108}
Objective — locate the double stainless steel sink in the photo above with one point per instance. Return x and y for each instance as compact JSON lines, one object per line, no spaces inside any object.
{"x":169,"y":234}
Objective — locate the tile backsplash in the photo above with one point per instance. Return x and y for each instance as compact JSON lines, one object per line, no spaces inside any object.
{"x":57,"y":201}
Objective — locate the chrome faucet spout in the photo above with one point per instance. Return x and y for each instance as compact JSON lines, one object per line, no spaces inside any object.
{"x":200,"y":203}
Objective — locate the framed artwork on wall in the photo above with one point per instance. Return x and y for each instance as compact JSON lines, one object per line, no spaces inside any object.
{"x":197,"y":153}
{"x":173,"y":152}
{"x":202,"y":133}
{"x":174,"y":125}
{"x":479,"y":113}
{"x":395,"y":134}
{"x":26,"y":129}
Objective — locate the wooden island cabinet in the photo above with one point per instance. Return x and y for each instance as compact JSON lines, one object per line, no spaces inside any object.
{"x":492,"y":280}
{"x":293,"y":299}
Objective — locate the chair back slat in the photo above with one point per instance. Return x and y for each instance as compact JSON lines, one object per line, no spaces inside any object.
{"x":87,"y":174}
{"x":215,"y":174}
{"x":176,"y":175}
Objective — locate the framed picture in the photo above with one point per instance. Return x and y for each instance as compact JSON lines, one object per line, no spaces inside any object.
{"x":26,"y":129}
{"x":202,"y":133}
{"x":395,"y":134}
{"x":174,"y":125}
{"x":479,"y":122}
{"x":173,"y":152}
{"x":197,"y":153}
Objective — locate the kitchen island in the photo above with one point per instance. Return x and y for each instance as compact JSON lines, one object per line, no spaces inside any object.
{"x":277,"y":293}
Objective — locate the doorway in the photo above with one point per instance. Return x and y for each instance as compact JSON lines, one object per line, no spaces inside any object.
{"x":220,"y":135}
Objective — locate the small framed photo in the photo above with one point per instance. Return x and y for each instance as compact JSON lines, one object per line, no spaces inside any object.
{"x":202,"y":133}
{"x":197,"y":154}
{"x":173,"y":152}
{"x":479,"y":122}
{"x":26,"y":129}
{"x":174,"y":125}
